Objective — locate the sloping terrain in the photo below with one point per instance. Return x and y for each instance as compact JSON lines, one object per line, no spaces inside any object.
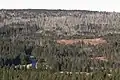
{"x":40,"y":33}
{"x":61,"y":22}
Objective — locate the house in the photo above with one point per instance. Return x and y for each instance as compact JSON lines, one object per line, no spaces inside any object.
{"x":32,"y":63}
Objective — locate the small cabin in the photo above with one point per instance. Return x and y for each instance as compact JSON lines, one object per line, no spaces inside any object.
{"x":32,"y":63}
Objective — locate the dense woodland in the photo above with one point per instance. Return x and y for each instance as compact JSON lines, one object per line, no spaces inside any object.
{"x":34,"y":32}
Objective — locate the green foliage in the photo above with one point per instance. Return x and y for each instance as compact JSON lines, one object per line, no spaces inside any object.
{"x":54,"y":58}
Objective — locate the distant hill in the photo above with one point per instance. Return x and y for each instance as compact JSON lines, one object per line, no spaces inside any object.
{"x":57,"y":22}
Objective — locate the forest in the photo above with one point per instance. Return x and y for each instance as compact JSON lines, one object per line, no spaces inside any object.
{"x":67,"y":45}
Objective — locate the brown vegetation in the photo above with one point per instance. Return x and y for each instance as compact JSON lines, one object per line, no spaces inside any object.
{"x":102,"y":58}
{"x":95,"y":41}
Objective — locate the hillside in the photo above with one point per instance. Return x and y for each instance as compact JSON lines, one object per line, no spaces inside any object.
{"x":61,"y":22}
{"x":63,"y":44}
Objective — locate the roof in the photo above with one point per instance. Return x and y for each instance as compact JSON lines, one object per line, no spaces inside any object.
{"x":31,"y":56}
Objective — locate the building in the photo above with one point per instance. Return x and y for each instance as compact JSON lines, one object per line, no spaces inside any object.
{"x":32,"y":63}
